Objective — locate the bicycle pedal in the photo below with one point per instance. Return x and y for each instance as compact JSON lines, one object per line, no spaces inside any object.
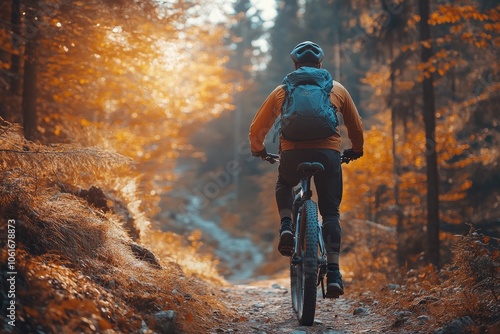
{"x":334,"y":291}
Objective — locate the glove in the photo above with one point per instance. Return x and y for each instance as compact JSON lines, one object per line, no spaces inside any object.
{"x":351,"y":155}
{"x":262,"y":153}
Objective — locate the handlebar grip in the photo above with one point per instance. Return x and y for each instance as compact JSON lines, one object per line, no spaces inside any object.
{"x":272,"y":158}
{"x":344,"y":159}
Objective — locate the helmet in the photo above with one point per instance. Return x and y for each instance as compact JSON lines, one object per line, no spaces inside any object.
{"x":307,"y":52}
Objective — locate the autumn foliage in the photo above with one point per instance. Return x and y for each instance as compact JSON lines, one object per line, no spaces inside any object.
{"x":117,"y":85}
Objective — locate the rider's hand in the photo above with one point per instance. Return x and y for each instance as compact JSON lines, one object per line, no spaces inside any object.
{"x":351,"y":155}
{"x":262,"y":154}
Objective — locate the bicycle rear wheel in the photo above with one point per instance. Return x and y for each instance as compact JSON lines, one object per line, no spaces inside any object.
{"x":304,"y":273}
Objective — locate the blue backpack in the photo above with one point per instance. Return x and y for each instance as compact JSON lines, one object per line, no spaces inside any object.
{"x":307,"y":112}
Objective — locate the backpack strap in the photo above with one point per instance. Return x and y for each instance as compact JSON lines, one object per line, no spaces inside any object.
{"x":277,"y":123}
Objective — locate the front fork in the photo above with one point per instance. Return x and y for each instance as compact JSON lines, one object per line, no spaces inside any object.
{"x":322,"y":262}
{"x":296,"y":256}
{"x":296,"y":212}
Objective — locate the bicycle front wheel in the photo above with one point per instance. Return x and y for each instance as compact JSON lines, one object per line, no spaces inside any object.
{"x":304,"y":274}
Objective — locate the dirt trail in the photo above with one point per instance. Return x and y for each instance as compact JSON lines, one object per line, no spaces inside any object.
{"x":265,"y":307}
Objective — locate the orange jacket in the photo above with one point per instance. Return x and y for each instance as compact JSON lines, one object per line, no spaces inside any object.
{"x":271,"y":109}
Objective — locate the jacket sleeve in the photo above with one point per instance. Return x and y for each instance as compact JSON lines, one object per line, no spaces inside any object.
{"x":351,"y":117}
{"x":265,"y":117}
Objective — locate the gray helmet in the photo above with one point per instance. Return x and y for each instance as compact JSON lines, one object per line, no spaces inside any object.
{"x":307,"y":52}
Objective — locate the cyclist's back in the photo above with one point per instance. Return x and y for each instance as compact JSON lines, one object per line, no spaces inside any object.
{"x":324,"y":150}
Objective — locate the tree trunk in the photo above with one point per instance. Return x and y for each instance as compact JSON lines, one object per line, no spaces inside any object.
{"x":29,"y":95}
{"x":8,"y":107}
{"x":240,"y":105}
{"x":430,"y":127}
{"x":336,"y":51}
{"x":16,"y":45}
{"x":401,"y":249}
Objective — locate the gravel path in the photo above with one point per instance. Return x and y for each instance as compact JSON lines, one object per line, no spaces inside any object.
{"x":265,"y":307}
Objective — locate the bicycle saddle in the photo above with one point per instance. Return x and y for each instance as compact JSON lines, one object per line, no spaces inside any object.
{"x":310,"y":167}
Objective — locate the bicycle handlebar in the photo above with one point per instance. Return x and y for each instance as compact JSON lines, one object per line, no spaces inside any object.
{"x":272,"y":158}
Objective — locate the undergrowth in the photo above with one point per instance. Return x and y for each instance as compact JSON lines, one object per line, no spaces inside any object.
{"x":78,"y":270}
{"x":467,"y":288}
{"x":475,"y":277}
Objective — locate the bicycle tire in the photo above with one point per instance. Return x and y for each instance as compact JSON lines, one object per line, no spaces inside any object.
{"x":304,"y":276}
{"x":293,"y":286}
{"x":293,"y":267}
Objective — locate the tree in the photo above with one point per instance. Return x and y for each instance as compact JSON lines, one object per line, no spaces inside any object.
{"x":394,"y":33}
{"x":429,"y":113}
{"x":388,"y":29}
{"x":30,"y":93}
{"x":15,"y":67}
{"x":284,"y":35}
{"x":246,"y":29}
{"x":19,"y":42}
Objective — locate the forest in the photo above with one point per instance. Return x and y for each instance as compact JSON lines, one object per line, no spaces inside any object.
{"x":130,"y":201}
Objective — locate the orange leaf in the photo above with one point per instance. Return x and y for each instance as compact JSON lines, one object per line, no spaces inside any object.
{"x":103,"y":323}
{"x":31,"y":312}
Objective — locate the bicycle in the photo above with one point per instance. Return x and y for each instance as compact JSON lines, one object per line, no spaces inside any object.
{"x":308,"y":263}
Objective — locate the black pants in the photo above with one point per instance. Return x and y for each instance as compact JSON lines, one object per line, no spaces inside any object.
{"x":328,"y":187}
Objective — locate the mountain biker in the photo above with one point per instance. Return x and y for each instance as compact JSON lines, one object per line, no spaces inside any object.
{"x":326,"y":151}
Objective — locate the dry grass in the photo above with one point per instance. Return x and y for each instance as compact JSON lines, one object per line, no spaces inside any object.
{"x":76,"y":270}
{"x":56,"y":163}
{"x":60,"y":296}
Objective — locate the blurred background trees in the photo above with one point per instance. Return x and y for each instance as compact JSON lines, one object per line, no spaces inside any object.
{"x":174,"y":85}
{"x":374,"y":50}
{"x":100,"y":73}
